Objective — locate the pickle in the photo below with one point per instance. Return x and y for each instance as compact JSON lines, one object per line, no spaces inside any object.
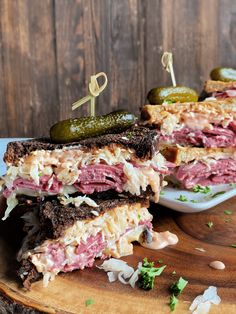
{"x":223,"y":74}
{"x":73,"y":130}
{"x":171,"y":94}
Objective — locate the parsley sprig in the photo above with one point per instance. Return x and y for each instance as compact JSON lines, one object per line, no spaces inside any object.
{"x":173,"y":302}
{"x":210,"y":224}
{"x":89,"y":302}
{"x":217,"y":194}
{"x":178,"y":286}
{"x":148,"y":273}
{"x":201,"y":189}
{"x":176,"y":289}
{"x":182,"y":198}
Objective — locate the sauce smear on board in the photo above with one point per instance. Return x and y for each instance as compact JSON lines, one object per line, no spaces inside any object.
{"x":161,"y":240}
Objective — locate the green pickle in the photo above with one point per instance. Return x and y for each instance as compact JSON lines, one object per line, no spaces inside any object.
{"x":223,"y":74}
{"x":171,"y":94}
{"x":73,"y":130}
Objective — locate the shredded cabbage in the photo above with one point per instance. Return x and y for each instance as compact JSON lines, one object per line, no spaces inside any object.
{"x":118,"y":269}
{"x":77,"y":201}
{"x":11,"y":203}
{"x":202,"y":303}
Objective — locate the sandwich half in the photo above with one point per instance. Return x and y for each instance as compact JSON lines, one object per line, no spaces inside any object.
{"x":64,"y":234}
{"x":219,"y":90}
{"x":199,"y":139}
{"x":206,"y":124}
{"x":125,"y":162}
{"x":201,"y":166}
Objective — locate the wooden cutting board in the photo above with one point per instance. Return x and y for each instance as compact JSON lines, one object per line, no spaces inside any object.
{"x":69,"y":292}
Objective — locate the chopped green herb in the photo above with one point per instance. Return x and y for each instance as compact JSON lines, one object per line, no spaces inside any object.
{"x":148,"y":273}
{"x":167,"y":101}
{"x":227,"y":212}
{"x":178,"y":286}
{"x":173,"y":302}
{"x":182,"y":198}
{"x":139,"y":216}
{"x":162,"y":193}
{"x":201,"y":189}
{"x":173,"y":273}
{"x":233,"y":185}
{"x":89,"y":302}
{"x":129,"y":135}
{"x":160,"y":261}
{"x":194,"y":201}
{"x":210,"y":224}
{"x":233,"y":245}
{"x":40,"y":174}
{"x":217,"y":194}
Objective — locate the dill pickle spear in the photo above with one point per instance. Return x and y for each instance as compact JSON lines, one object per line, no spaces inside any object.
{"x":73,"y":130}
{"x":223,"y":74}
{"x":171,"y":94}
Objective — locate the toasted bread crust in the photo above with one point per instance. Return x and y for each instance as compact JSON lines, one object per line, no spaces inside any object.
{"x":140,"y":139}
{"x":218,"y":86}
{"x":156,"y":115}
{"x":180,"y":155}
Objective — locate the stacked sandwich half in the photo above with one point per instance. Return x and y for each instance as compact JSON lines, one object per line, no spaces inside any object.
{"x":83,"y":200}
{"x":199,"y":138}
{"x":218,"y":90}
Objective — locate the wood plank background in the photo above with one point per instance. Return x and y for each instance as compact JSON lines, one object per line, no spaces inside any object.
{"x":49,"y":49}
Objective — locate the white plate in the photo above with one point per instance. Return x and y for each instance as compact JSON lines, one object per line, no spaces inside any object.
{"x":203,"y":201}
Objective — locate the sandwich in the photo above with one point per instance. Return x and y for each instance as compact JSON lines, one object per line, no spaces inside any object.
{"x":200,"y":124}
{"x":124,"y":162}
{"x":218,"y":90}
{"x":201,"y":166}
{"x":63,"y":234}
{"x":199,"y":139}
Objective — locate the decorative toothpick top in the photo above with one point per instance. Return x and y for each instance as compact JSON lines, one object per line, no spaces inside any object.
{"x":94,"y":91}
{"x":167,"y":62}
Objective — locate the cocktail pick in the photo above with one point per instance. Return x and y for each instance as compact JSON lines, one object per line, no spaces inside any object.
{"x":167,"y":62}
{"x":94,"y":91}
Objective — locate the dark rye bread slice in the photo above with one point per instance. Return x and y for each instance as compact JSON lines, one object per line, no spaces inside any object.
{"x":140,"y":139}
{"x":54,"y":219}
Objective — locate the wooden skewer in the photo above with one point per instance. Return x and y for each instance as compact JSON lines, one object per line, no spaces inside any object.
{"x":167,"y":62}
{"x":94,"y":91}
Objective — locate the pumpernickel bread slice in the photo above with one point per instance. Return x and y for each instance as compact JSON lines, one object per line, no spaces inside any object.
{"x":140,"y":139}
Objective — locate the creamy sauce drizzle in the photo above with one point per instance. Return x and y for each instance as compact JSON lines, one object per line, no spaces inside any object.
{"x":161,"y":240}
{"x":217,"y":265}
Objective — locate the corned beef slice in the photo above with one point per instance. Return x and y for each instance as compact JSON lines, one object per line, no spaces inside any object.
{"x":46,"y":184}
{"x":99,"y":178}
{"x":225,"y":94}
{"x":93,"y":178}
{"x":84,"y":254}
{"x":217,"y":137}
{"x":218,"y":172}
